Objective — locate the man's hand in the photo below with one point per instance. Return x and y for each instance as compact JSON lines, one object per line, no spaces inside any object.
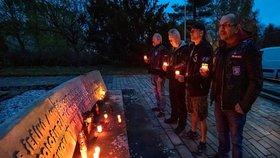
{"x":180,"y":78}
{"x":204,"y":72}
{"x":238,"y":109}
{"x":164,"y":67}
{"x":147,"y":61}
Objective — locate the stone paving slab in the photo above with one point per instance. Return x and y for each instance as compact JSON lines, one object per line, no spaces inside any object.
{"x":261,"y":132}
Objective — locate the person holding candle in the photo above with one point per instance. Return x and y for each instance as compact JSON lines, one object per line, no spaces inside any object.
{"x":177,"y":61}
{"x":198,"y":82}
{"x":156,"y":58}
{"x":237,"y":82}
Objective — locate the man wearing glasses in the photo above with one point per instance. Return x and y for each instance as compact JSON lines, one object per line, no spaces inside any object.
{"x":237,"y":81}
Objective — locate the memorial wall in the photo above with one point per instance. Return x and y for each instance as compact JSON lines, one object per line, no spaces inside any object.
{"x":50,"y":129}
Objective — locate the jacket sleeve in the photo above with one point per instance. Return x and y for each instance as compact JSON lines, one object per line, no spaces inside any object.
{"x":253,"y":66}
{"x":182,"y":60}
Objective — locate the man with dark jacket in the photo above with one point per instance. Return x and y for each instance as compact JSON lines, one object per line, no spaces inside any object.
{"x":237,"y":81}
{"x":177,"y":61}
{"x":198,"y":81}
{"x":156,"y":58}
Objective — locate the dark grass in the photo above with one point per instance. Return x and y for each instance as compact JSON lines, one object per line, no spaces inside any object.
{"x":73,"y":71}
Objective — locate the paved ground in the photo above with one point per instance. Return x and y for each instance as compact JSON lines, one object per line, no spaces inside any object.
{"x":261,"y":134}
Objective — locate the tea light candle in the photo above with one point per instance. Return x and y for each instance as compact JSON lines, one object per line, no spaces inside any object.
{"x":99,"y":128}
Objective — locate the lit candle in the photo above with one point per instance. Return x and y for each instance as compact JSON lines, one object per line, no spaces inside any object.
{"x":165,"y":64}
{"x":89,"y":121}
{"x":102,"y":92}
{"x":106,"y":118}
{"x":95,"y":155}
{"x":119,"y":119}
{"x":83,"y":151}
{"x":204,"y":66}
{"x":177,"y":72}
{"x":97,"y":109}
{"x":99,"y":128}
{"x":96,"y":152}
{"x":145,"y":57}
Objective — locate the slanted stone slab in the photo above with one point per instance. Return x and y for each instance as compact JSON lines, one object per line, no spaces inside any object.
{"x":51,"y":126}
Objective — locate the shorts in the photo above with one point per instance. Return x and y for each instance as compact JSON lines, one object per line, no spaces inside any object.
{"x":198,"y":105}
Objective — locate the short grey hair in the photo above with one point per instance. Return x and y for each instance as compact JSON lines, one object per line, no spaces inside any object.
{"x":158,"y":36}
{"x":234,"y":19}
{"x":174,"y":33}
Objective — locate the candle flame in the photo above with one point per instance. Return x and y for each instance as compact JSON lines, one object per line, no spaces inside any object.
{"x":99,"y":128}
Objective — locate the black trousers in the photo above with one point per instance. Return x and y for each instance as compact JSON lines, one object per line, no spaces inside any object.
{"x":177,"y":101}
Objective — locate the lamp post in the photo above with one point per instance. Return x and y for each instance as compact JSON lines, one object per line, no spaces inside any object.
{"x":185,"y":23}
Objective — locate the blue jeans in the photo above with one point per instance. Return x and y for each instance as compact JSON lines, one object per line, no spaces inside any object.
{"x":158,"y":87}
{"x":230,"y":126}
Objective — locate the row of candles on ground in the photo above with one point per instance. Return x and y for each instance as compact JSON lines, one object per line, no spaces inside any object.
{"x":81,"y":139}
{"x":204,"y":66}
{"x":83,"y":147}
{"x":99,"y":127}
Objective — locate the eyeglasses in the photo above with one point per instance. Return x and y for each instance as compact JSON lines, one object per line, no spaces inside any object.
{"x":227,"y":25}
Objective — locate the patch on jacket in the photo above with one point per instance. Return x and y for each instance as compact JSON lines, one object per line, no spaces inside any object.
{"x":195,"y":58}
{"x":236,"y":70}
{"x":236,"y":56}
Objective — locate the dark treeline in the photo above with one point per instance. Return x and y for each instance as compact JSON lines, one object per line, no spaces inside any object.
{"x":90,"y":32}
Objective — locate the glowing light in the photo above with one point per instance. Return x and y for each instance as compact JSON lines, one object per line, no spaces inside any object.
{"x":83,"y":151}
{"x":99,"y":128}
{"x":96,"y":152}
{"x":165,"y":63}
{"x":177,"y":72}
{"x":102,"y":92}
{"x":204,"y":66}
{"x":145,"y":57}
{"x":119,"y":119}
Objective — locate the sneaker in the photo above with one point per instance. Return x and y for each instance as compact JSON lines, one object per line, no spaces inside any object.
{"x":201,"y":147}
{"x":160,"y":114}
{"x":192,"y":135}
{"x":170,"y":120}
{"x":179,"y":129}
{"x":155,"y":109}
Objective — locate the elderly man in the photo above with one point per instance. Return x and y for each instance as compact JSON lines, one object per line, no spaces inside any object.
{"x":237,"y":81}
{"x":156,"y":57}
{"x":177,"y":61}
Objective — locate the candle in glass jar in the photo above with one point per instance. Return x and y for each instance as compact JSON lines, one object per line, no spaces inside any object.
{"x":204,"y":66}
{"x":99,"y":128}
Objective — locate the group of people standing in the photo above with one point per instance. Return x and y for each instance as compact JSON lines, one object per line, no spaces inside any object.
{"x":232,"y":72}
